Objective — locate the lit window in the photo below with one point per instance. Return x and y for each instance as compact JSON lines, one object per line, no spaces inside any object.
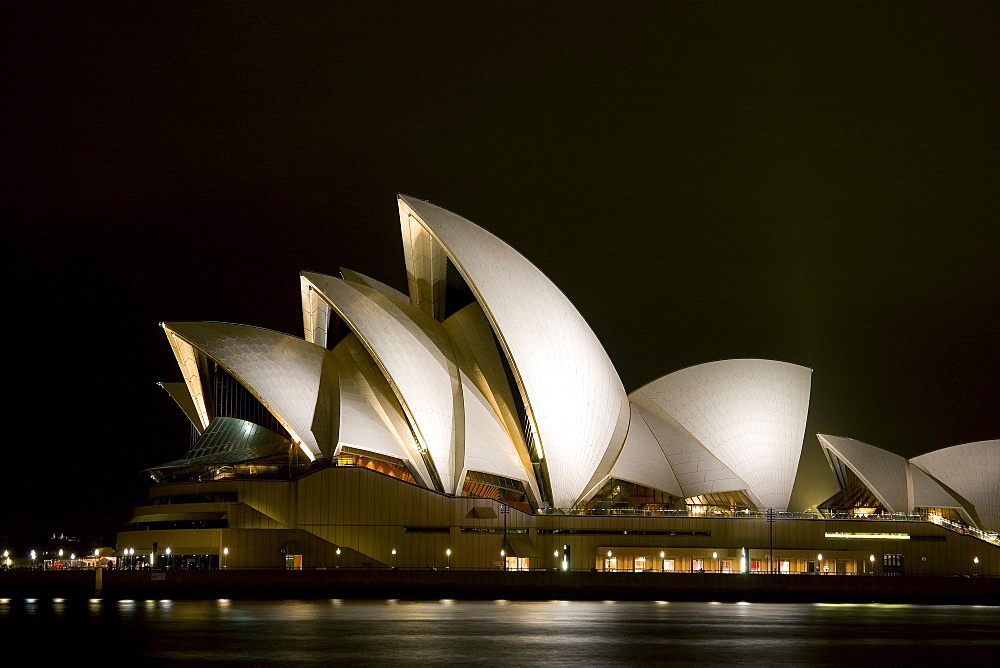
{"x":640,"y":564}
{"x":517,"y":563}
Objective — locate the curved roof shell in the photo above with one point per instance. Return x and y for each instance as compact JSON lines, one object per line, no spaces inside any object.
{"x":642,"y":461}
{"x":181,"y":395}
{"x":696,"y":470}
{"x":451,"y":418}
{"x":422,"y":375}
{"x":749,"y":413}
{"x":294,"y":379}
{"x":365,"y":421}
{"x":575,"y":403}
{"x":971,"y":470}
{"x":354,"y":360}
{"x":883,"y":472}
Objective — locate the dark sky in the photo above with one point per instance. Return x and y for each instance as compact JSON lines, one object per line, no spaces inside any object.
{"x":809,"y":182}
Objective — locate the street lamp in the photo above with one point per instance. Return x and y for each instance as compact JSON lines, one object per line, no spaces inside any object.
{"x":225,"y":556}
{"x":715,"y":560}
{"x":448,"y":554}
{"x":819,"y":566}
{"x":338,"y":557}
{"x":503,"y":558}
{"x":394,"y":558}
{"x":167,"y":552}
{"x":975,"y":562}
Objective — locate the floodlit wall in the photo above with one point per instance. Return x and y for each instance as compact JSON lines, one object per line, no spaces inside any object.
{"x":368,"y":515}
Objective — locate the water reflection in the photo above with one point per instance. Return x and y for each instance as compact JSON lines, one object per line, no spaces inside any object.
{"x":500,"y":632}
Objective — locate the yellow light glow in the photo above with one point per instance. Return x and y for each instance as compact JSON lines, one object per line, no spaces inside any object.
{"x":304,"y":449}
{"x":879,"y":536}
{"x":187,"y":360}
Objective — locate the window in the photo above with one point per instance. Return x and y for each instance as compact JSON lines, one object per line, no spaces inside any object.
{"x":517,"y":563}
{"x":293,"y":562}
{"x":697,"y":564}
{"x":640,"y":564}
{"x":755,"y":566}
{"x":611,"y":564}
{"x":668,"y":565}
{"x":784,"y":567}
{"x":727,"y":565}
{"x":892,"y":564}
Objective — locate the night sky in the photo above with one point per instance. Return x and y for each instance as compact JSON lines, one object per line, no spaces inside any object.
{"x":813,"y":183}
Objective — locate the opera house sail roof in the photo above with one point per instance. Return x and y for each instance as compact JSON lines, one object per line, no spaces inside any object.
{"x":963,"y":478}
{"x":500,"y":388}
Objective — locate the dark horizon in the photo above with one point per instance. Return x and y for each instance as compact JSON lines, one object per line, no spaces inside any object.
{"x":815,"y":184}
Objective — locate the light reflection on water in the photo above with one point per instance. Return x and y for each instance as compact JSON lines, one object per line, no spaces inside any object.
{"x":502,"y":632}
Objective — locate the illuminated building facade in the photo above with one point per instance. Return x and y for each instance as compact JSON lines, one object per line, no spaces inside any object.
{"x":477,"y":422}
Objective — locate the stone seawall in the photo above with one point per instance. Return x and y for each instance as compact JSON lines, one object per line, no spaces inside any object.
{"x":577,"y":585}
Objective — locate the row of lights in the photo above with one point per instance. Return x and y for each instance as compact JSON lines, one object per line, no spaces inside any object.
{"x":34,"y":555}
{"x":225,"y":552}
{"x":715,"y":555}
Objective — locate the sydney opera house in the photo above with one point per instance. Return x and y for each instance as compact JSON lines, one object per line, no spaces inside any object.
{"x":478,"y":423}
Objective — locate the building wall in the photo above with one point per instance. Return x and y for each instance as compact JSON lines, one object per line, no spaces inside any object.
{"x":367,"y":515}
